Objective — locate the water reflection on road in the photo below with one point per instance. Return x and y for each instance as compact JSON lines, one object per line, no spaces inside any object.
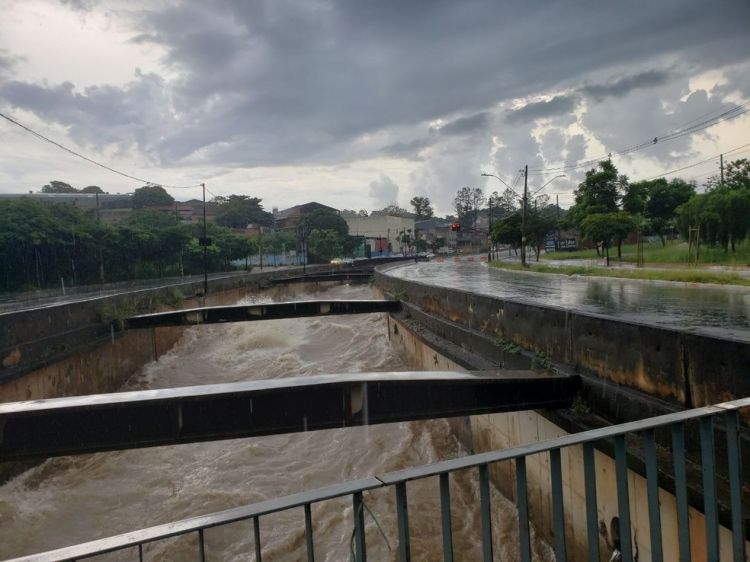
{"x":721,"y":311}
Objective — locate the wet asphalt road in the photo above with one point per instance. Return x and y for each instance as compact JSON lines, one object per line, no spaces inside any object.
{"x":714,"y":310}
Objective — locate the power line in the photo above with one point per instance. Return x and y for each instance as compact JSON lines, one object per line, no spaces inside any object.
{"x":694,"y":164}
{"x":212,"y":194}
{"x":518,"y":177}
{"x":679,"y":132}
{"x":90,"y":160}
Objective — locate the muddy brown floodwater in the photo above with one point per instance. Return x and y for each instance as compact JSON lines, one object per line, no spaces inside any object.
{"x":74,"y":499}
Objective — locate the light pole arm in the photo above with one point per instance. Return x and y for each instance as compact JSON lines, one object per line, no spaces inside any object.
{"x":549,"y":182}
{"x":500,"y":180}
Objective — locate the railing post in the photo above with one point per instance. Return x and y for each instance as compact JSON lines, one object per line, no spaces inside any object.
{"x":309,"y":534}
{"x":735,"y":485}
{"x":558,"y":508}
{"x":256,"y":536}
{"x":680,"y":484}
{"x":623,"y":498}
{"x":201,"y":546}
{"x":485,"y":508}
{"x":445,"y":516}
{"x":652,"y":485}
{"x":522,"y":500}
{"x":360,"y":551}
{"x":402,"y":514}
{"x":709,"y":488}
{"x":592,"y":514}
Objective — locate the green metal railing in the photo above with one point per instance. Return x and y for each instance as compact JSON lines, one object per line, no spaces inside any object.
{"x":725,"y":415}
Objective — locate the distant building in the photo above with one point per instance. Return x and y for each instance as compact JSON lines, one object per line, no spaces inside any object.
{"x":382,"y":232}
{"x":433,"y":229}
{"x":289,"y":218}
{"x":187,"y":211}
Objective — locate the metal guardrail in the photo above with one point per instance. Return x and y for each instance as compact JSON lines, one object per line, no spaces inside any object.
{"x":267,"y":311}
{"x":726,"y":412}
{"x":15,"y":302}
{"x":170,"y":416}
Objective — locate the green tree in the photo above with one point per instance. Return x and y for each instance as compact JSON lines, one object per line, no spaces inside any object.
{"x":151,"y":196}
{"x":422,"y":207}
{"x":155,"y":239}
{"x":56,"y":186}
{"x":394,"y":210}
{"x":635,"y":198}
{"x":238,"y":211}
{"x":603,"y":228}
{"x":325,"y":244}
{"x":92,"y":189}
{"x":323,"y":219}
{"x":437,"y":243}
{"x":467,"y":203}
{"x":508,"y":231}
{"x":736,"y":174}
{"x":540,"y":222}
{"x":664,"y":198}
{"x":598,"y":194}
{"x":506,"y":204}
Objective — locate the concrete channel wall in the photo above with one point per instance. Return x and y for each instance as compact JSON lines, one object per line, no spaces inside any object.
{"x":75,"y":348}
{"x":425,"y":350}
{"x":682,"y":369}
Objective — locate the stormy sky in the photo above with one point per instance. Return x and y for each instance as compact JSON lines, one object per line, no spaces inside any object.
{"x":360,"y":104}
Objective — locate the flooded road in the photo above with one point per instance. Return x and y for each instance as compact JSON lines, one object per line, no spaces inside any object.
{"x":75,"y":499}
{"x":718,"y":311}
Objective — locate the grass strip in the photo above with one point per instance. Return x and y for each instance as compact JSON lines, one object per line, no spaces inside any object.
{"x":683,"y":275}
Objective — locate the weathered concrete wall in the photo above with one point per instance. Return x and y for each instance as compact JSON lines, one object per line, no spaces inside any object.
{"x":501,"y":431}
{"x":677,"y":367}
{"x":31,"y":340}
{"x":103,"y":364}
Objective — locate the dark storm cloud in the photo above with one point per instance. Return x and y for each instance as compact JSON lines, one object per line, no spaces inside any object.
{"x":99,"y":115}
{"x":285,"y":82}
{"x":532,"y":111}
{"x":466,"y":125}
{"x":622,"y":122}
{"x":623,"y":86}
{"x":408,"y":150}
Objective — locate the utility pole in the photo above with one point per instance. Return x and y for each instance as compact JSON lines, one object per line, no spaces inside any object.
{"x":557,"y":204}
{"x":204,"y":242}
{"x":260,"y":246}
{"x":101,"y":251}
{"x":721,"y":166}
{"x":489,"y":233}
{"x":523,"y":214}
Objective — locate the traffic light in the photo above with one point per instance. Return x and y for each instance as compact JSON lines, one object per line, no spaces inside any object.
{"x":456,"y":226}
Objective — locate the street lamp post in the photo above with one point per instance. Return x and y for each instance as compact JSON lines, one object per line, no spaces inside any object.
{"x":204,"y":242}
{"x":523,"y":210}
{"x":523,"y":214}
{"x":489,"y":233}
